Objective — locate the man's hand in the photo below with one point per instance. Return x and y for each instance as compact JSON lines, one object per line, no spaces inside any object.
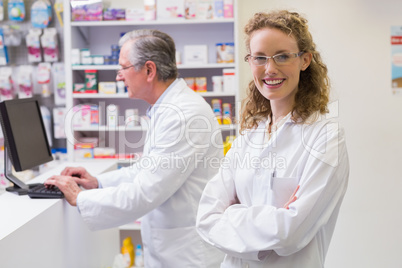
{"x":67,"y":185}
{"x":81,"y":177}
{"x":292,"y":198}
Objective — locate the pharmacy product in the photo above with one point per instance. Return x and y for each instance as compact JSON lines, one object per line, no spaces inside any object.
{"x":16,"y":10}
{"x":128,"y":251}
{"x":139,"y":256}
{"x":201,"y":84}
{"x":217,"y":83}
{"x":132,"y":119}
{"x":33,"y":45}
{"x":229,"y":80}
{"x":91,"y":81}
{"x":41,"y":14}
{"x":50,"y":45}
{"x":43,"y":74}
{"x":227,"y":113}
{"x":25,"y":84}
{"x":112,"y":114}
{"x":217,"y":109}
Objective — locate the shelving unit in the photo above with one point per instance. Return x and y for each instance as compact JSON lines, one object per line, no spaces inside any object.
{"x":179,"y":66}
{"x":98,"y":36}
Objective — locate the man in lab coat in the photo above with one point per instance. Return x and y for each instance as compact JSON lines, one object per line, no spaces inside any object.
{"x":181,"y":153}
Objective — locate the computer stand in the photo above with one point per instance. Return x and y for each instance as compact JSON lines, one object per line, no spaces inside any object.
{"x":19,"y":187}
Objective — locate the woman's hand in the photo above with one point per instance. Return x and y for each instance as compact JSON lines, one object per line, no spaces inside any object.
{"x":292,"y":199}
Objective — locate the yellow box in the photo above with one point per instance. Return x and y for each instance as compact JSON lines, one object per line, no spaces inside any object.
{"x":107,"y":87}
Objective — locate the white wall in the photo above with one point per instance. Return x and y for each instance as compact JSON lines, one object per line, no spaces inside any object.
{"x":354,"y":39}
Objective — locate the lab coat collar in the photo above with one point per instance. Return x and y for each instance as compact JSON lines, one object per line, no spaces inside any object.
{"x":152,"y":109}
{"x":257,"y":135}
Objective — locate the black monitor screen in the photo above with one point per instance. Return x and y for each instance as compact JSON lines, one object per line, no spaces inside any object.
{"x":24,"y":133}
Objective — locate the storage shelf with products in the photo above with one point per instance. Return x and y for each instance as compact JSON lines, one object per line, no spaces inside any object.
{"x":179,"y":66}
{"x":135,"y":128}
{"x":106,"y":128}
{"x":99,"y":96}
{"x":150,"y":22}
{"x":91,"y":35}
{"x":125,"y":95}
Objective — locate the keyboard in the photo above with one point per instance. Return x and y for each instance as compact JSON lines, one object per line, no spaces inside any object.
{"x":40,"y":191}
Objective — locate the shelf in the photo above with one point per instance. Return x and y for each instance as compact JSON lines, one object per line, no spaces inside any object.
{"x":99,"y":96}
{"x":94,"y":67}
{"x":228,"y":127}
{"x":151,"y":22}
{"x":137,"y":128}
{"x":131,"y":226}
{"x":217,"y":94}
{"x":107,"y":160}
{"x":206,"y":66}
{"x":105,"y":128}
{"x":125,"y":95}
{"x":180,"y":66}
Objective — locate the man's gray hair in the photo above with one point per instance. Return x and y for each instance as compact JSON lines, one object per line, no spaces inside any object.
{"x":152,"y":45}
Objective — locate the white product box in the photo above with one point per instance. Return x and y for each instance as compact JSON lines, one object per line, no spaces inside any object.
{"x":205,"y":9}
{"x":217,"y":83}
{"x":121,"y":88}
{"x":196,"y":54}
{"x":132,"y":119}
{"x":75,"y":56}
{"x":150,"y":9}
{"x":59,"y":115}
{"x":172,"y":9}
{"x":190,"y":9}
{"x":82,"y":115}
{"x":85,"y":54}
{"x":229,"y":76}
{"x":97,"y":59}
{"x":59,"y":79}
{"x":135,"y":14}
{"x":112,"y":114}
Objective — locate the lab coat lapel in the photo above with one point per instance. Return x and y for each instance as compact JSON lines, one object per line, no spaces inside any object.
{"x":272,"y":143}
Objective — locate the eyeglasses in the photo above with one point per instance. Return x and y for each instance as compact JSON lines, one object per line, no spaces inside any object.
{"x":118,"y":72}
{"x":280,"y":59}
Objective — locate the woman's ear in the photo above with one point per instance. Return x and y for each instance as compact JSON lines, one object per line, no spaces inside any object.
{"x":306,"y":60}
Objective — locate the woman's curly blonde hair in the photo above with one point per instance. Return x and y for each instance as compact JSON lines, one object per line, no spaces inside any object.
{"x":313,"y":90}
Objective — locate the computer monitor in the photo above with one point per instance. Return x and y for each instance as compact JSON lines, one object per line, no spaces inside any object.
{"x":25,"y":139}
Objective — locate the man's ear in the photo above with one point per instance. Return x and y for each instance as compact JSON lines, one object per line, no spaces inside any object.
{"x":150,"y":69}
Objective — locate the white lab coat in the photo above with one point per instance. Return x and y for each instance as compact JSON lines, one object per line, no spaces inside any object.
{"x":165,"y":186}
{"x":241,"y":210}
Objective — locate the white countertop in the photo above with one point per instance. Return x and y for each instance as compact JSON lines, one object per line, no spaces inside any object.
{"x":15,"y":210}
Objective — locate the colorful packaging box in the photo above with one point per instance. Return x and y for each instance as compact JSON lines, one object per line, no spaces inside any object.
{"x":82,"y":11}
{"x":91,"y":81}
{"x":190,"y":82}
{"x":201,"y":84}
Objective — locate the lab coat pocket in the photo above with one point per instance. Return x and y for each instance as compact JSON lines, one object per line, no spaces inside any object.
{"x":282,"y":190}
{"x":179,"y":246}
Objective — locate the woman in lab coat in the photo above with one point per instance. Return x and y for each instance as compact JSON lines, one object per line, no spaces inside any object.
{"x":276,"y":198}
